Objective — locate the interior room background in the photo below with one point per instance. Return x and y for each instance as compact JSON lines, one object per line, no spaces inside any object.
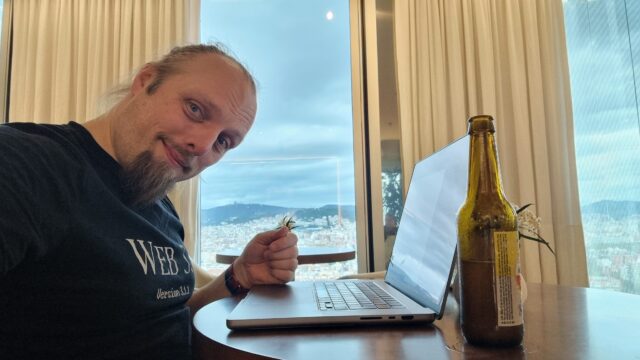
{"x":389,"y":82}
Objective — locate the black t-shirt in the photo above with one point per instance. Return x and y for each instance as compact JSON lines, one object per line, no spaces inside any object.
{"x":83,"y":274}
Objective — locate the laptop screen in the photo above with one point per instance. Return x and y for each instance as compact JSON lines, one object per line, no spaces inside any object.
{"x":425,"y":245}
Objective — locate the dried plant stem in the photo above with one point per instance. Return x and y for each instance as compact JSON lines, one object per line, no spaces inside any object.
{"x":540,"y":240}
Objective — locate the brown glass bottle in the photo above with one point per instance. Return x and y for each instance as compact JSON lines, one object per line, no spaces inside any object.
{"x":488,"y":249}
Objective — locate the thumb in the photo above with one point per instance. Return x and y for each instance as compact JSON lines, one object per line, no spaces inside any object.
{"x":267,"y":237}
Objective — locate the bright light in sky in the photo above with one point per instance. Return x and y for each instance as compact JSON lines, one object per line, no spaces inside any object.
{"x":329,"y":15}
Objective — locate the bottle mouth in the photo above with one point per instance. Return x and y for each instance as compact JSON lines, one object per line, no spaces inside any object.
{"x":481,"y":123}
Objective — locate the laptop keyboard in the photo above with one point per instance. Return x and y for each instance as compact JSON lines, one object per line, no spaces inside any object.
{"x":353,"y":295}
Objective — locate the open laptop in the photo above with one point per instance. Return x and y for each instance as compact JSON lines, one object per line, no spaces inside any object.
{"x":419,"y":272}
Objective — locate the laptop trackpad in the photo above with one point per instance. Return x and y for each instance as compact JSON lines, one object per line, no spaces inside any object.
{"x":274,"y":300}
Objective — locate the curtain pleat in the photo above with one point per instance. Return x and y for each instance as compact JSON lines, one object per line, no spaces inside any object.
{"x":67,"y":54}
{"x":459,"y":58}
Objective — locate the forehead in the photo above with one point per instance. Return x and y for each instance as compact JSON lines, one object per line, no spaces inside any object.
{"x":220,"y":80}
{"x":214,"y":68}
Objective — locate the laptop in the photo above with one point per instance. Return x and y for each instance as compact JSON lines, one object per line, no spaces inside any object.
{"x":416,"y":284}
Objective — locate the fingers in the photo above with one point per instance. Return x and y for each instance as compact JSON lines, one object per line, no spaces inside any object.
{"x":273,"y":272}
{"x":285,"y":264}
{"x":283,"y":248}
{"x":283,"y":276}
{"x":288,"y":253}
{"x":285,"y":242}
{"x":271,"y":257}
{"x":267,"y":237}
{"x":283,"y":270}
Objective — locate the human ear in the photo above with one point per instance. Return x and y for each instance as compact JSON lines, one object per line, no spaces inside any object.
{"x":143,"y":78}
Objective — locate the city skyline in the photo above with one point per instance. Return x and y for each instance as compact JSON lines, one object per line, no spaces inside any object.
{"x":300,"y":152}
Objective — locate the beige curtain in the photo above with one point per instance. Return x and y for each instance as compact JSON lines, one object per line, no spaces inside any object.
{"x":459,"y":58}
{"x":67,"y":54}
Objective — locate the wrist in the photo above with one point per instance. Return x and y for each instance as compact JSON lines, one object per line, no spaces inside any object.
{"x":232,"y":282}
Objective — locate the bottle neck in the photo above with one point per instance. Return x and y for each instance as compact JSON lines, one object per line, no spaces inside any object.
{"x":484,"y":167}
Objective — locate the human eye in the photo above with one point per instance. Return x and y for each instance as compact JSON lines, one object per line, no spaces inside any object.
{"x":223,"y":143}
{"x":194,"y":111}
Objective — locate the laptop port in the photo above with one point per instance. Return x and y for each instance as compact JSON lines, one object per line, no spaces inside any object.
{"x":407,"y":317}
{"x":371,"y":318}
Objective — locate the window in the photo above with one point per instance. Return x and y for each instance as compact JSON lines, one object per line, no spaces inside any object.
{"x":603,"y":40}
{"x":298,"y":159}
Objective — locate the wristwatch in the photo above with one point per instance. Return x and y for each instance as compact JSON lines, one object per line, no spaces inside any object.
{"x":232,"y":284}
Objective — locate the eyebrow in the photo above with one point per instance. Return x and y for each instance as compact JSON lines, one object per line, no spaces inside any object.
{"x":211,"y":107}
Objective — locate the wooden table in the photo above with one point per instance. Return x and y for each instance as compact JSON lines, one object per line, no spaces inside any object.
{"x":560,"y":323}
{"x":306,"y":255}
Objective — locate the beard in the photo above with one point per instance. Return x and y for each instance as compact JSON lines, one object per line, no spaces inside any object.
{"x":146,"y":181}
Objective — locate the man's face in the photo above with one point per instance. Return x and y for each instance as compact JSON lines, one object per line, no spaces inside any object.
{"x":187,"y":124}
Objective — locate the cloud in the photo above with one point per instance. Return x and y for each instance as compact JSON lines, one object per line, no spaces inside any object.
{"x":304,"y":127}
{"x":608,"y":165}
{"x":602,"y":46}
{"x":295,"y":182}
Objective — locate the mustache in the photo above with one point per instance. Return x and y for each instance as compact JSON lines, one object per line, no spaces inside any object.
{"x":185,"y":157}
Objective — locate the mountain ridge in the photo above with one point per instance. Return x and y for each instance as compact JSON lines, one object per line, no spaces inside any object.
{"x":238,"y":213}
{"x":613,"y":208}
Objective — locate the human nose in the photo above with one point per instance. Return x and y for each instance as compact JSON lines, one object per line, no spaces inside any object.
{"x":201,"y":142}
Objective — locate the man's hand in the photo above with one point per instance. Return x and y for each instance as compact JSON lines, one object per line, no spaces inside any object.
{"x":271,"y":257}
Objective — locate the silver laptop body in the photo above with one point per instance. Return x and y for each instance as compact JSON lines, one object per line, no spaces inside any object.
{"x":419,"y":271}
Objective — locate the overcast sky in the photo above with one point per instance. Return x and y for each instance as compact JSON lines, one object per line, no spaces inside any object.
{"x":604,"y":45}
{"x":300,"y":150}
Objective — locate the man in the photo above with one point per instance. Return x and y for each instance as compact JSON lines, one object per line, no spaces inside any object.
{"x":92,"y":262}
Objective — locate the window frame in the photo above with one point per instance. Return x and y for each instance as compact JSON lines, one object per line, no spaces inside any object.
{"x":572,"y":19}
{"x":5,"y":57}
{"x":366,"y":140}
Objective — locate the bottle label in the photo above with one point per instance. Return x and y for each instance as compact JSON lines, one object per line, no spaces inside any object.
{"x":507,"y":284}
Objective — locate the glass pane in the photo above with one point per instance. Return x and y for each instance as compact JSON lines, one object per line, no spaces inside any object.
{"x":603,"y":40}
{"x":392,"y":189}
{"x":298,"y":159}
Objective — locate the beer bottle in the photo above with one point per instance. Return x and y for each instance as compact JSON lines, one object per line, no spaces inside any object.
{"x":488,"y":248}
